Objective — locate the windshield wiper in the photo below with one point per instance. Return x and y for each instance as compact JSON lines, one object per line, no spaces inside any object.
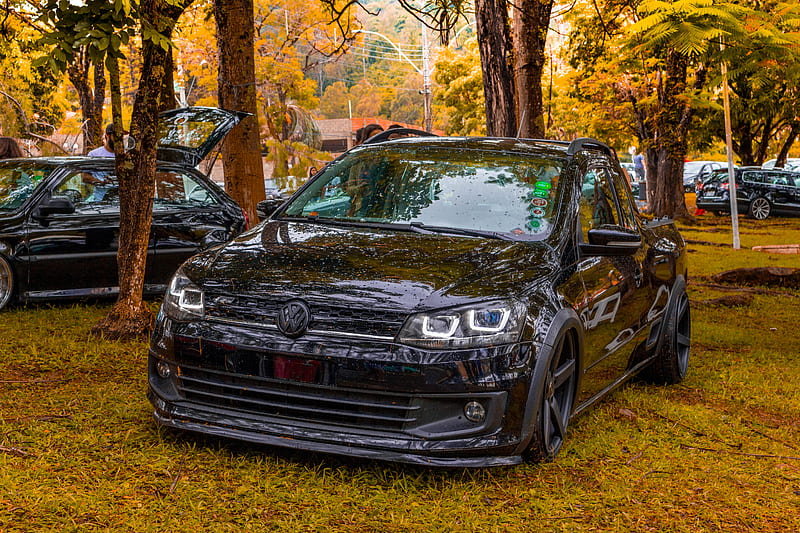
{"x":414,"y":227}
{"x":462,"y":231}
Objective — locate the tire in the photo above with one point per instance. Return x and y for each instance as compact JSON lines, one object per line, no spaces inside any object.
{"x":6,"y":282}
{"x":556,"y":391}
{"x":760,"y":208}
{"x":671,"y":360}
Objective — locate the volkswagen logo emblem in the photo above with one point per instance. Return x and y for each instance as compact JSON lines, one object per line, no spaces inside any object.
{"x":293,"y":318}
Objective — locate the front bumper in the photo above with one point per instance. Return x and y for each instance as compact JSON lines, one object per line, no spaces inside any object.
{"x":366,"y":400}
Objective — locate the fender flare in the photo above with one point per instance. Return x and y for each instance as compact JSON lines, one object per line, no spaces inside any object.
{"x":565,"y":319}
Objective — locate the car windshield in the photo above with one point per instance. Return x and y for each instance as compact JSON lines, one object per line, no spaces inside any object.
{"x":18,"y":181}
{"x":436,"y":189}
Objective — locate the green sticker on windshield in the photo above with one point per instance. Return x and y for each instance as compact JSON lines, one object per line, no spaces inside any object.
{"x":541,"y":193}
{"x":543,"y":185}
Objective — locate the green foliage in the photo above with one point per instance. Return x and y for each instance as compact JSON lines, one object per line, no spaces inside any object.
{"x":98,"y":26}
{"x":79,"y":450}
{"x":459,"y":76}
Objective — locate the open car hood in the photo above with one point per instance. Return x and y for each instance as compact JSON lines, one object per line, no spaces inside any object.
{"x":188,"y":134}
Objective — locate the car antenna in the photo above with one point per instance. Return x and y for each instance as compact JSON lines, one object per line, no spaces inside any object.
{"x":521,"y":121}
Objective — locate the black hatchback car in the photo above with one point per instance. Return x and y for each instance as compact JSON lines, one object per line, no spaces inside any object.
{"x":59,"y":216}
{"x":760,"y":192}
{"x":444,"y":301}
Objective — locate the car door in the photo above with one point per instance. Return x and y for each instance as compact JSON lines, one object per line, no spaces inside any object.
{"x":76,"y":253}
{"x":188,"y":216}
{"x":781,"y":190}
{"x":615,"y":297}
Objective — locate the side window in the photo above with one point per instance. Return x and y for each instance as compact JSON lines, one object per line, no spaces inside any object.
{"x":95,"y":190}
{"x":597,"y":206}
{"x":176,"y":189}
{"x":779,"y":178}
{"x":626,"y":203}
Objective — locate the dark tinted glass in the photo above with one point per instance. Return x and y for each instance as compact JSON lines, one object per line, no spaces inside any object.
{"x":466,"y":189}
{"x":17,"y":183}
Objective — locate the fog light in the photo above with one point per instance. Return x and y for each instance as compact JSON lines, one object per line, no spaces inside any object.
{"x":475,"y":412}
{"x":163,"y":369}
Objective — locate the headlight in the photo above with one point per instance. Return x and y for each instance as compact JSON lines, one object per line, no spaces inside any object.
{"x":184,"y":299}
{"x":472,"y":326}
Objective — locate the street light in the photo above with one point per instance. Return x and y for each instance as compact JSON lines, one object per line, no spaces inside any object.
{"x":425,"y":71}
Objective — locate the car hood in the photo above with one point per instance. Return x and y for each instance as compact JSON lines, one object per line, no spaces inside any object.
{"x":370,"y":267}
{"x":188,"y":134}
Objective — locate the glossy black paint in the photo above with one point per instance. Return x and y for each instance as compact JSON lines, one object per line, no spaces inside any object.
{"x":67,"y":253}
{"x":349,"y":386}
{"x":780,"y":188}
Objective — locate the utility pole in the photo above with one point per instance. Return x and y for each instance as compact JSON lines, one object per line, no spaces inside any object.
{"x":425,"y":71}
{"x":426,"y":79}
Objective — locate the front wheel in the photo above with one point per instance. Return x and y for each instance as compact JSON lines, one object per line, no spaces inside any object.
{"x":672,"y":358}
{"x":6,"y":282}
{"x":557,"y":395}
{"x":759,"y":208}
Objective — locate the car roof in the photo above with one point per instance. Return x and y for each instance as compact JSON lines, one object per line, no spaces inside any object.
{"x":543,"y":147}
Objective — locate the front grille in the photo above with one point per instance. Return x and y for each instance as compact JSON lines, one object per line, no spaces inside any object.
{"x":324,"y":317}
{"x":227,"y":377}
{"x":298,"y":401}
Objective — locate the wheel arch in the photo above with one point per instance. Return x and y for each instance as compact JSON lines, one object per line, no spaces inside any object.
{"x":565,"y":320}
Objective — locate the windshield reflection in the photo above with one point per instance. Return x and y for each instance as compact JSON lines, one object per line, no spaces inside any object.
{"x":436,"y":188}
{"x":17,"y":183}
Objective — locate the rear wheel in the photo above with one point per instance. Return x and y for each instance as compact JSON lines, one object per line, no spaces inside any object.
{"x":759,"y":208}
{"x":557,"y":391}
{"x":6,"y":282}
{"x":672,"y":357}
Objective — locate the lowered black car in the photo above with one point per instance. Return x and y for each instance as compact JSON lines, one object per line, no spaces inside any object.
{"x":444,"y":301}
{"x":760,"y":192}
{"x":59,"y":216}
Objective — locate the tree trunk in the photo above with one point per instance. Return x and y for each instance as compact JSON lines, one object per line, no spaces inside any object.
{"x":91,"y":101}
{"x":241,"y":151}
{"x":131,"y":317}
{"x":491,"y":20}
{"x":669,"y":146}
{"x":783,"y":154}
{"x":531,"y":21}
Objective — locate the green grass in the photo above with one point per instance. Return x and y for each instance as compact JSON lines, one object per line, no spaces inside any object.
{"x":719,"y":452}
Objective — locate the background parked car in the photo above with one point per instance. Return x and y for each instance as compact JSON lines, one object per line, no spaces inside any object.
{"x":695,"y":172}
{"x":441,"y":301}
{"x":791,"y":164}
{"x":760,"y":192}
{"x":59,"y":216}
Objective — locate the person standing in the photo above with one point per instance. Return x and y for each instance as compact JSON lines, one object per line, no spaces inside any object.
{"x":9,"y":149}
{"x":107,"y":150}
{"x":362,"y":134}
{"x":638,"y":166}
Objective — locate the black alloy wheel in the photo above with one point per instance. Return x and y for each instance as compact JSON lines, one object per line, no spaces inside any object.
{"x":759,"y":209}
{"x":6,"y":282}
{"x":558,"y":395}
{"x":672,"y":360}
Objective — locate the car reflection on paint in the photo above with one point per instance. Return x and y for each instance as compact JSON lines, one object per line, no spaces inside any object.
{"x":59,"y":216}
{"x":442,"y":301}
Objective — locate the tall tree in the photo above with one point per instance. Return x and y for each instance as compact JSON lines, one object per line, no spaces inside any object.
{"x":236,"y":83}
{"x":103,"y":28}
{"x":89,"y":80}
{"x":494,"y":42}
{"x":531,"y":22}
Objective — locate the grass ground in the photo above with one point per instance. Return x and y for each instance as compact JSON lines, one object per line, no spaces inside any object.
{"x":719,"y":452}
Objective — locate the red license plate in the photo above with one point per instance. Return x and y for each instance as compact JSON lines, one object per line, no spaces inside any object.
{"x":294,"y":369}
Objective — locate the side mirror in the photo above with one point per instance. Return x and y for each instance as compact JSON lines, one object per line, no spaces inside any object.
{"x":612,"y":240}
{"x":265,"y":208}
{"x":56,"y":205}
